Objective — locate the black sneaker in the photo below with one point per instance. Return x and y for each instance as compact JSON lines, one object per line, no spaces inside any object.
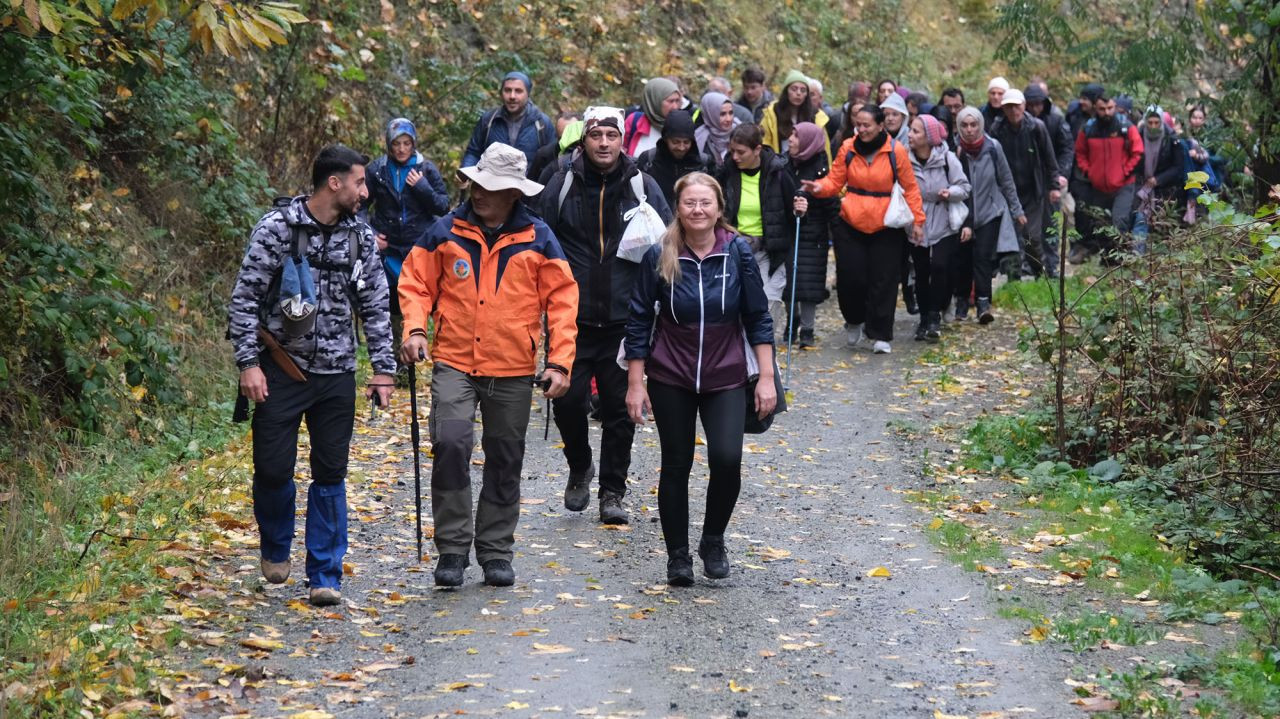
{"x":715,"y":562}
{"x":933,"y":327}
{"x":611,"y":511}
{"x":984,"y":312}
{"x":962,"y":309}
{"x":921,"y":329}
{"x":498,"y":573}
{"x":807,"y":338}
{"x":577,"y":493}
{"x":679,"y":568}
{"x":449,"y":570}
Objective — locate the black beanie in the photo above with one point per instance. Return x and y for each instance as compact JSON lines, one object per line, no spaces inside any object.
{"x":679,"y":124}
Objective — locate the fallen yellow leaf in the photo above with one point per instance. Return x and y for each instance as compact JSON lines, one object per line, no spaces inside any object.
{"x":738,"y":688}
{"x":879,"y":572}
{"x":542,"y":649}
{"x":256,"y":642}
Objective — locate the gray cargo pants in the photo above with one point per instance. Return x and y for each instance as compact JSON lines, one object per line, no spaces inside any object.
{"x":504,"y":409}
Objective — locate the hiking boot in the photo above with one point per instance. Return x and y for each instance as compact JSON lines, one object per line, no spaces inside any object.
{"x":715,"y":561}
{"x":984,"y":312}
{"x":807,"y":339}
{"x":449,"y":570}
{"x":855,"y":336}
{"x":275,"y":572}
{"x":933,"y":327}
{"x":324,"y":597}
{"x":611,"y":511}
{"x":1078,"y":256}
{"x":881,"y":347}
{"x":679,"y":568}
{"x":962,"y":309}
{"x":577,"y":493}
{"x":498,"y":573}
{"x":920,"y":330}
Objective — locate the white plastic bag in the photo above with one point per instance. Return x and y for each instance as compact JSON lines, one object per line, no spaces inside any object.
{"x":899,"y":213}
{"x":645,"y":227}
{"x":957,"y":213}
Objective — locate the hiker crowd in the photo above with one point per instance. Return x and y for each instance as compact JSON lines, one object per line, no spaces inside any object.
{"x":657,"y":253}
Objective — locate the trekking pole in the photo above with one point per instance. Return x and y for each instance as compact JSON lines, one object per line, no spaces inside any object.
{"x":791,"y":322}
{"x":414,"y":432}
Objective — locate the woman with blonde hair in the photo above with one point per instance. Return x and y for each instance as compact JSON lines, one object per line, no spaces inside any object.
{"x":698,"y":296}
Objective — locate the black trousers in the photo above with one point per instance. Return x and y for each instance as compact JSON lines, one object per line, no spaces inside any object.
{"x":933,"y":273}
{"x":327,"y":402}
{"x":868,"y":268}
{"x":974,"y":262}
{"x":676,"y":411}
{"x":597,"y":358}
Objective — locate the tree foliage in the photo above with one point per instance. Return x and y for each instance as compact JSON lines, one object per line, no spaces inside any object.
{"x":1223,"y":53}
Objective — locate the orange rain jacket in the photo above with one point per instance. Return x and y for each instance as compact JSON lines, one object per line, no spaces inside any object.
{"x":487,"y":302}
{"x":865,"y":212}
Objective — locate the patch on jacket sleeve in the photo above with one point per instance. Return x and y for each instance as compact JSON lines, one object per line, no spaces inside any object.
{"x":462,"y":269}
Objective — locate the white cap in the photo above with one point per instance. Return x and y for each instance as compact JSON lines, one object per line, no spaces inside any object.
{"x":998,"y":82}
{"x":1013,"y":96}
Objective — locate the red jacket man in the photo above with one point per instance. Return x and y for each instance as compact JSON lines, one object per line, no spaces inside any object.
{"x":1108,"y":148}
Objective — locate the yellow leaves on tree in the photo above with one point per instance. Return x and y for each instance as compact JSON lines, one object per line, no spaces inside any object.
{"x":234,"y":28}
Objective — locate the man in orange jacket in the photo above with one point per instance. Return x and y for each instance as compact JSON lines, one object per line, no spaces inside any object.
{"x":486,"y":274}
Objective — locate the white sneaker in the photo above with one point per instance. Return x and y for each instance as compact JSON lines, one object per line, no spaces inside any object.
{"x":881,"y":347}
{"x":855,"y":336}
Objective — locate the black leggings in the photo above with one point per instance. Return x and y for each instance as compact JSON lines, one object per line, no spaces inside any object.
{"x":933,"y":268}
{"x":675,"y":411}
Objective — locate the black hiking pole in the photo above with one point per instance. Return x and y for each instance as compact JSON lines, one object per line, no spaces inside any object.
{"x":791,"y":321}
{"x":415,"y":433}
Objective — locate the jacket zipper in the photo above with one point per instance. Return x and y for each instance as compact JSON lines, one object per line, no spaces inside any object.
{"x":601,"y":223}
{"x":702,"y":324}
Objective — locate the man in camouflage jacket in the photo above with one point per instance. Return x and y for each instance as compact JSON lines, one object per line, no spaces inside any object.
{"x":328,"y":234}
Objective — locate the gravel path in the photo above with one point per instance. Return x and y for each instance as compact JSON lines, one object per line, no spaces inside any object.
{"x":799,"y":629}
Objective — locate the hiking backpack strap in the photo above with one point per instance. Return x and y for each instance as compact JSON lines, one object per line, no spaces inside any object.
{"x":489,"y":127}
{"x":564,"y":191}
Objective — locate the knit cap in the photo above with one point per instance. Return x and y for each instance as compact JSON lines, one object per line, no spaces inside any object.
{"x":792,"y":78}
{"x":998,"y":82}
{"x":934,"y":131}
{"x":679,"y":124}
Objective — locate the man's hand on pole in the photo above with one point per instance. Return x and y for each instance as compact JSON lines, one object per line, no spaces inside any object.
{"x":555,"y":383}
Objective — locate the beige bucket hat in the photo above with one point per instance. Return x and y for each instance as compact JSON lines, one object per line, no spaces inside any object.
{"x":502,"y":167}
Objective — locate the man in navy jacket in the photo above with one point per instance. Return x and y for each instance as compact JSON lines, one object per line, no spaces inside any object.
{"x":518,"y":122}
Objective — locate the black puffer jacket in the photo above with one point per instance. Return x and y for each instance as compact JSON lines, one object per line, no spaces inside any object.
{"x":815,"y":237}
{"x":604,"y":281}
{"x":777,"y":191}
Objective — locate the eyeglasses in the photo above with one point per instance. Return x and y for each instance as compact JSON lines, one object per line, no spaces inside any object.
{"x":697,"y":204}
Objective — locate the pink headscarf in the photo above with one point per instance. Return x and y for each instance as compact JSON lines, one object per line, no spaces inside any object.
{"x":812,"y":140}
{"x":934,"y":131}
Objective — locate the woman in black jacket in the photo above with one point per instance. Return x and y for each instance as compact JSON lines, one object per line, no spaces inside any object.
{"x":807,"y":161}
{"x":710,"y":306}
{"x":675,"y":156}
{"x":761,"y":201}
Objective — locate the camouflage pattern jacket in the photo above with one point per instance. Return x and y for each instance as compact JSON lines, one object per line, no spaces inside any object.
{"x":330,"y":348}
